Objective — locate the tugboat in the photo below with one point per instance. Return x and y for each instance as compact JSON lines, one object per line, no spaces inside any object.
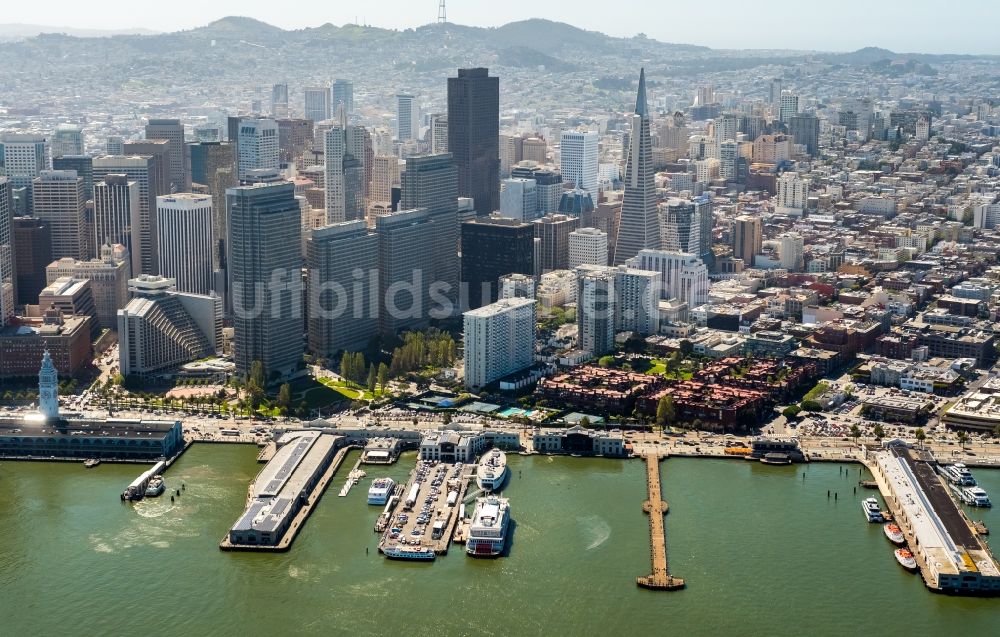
{"x":905,"y":558}
{"x":894,"y":533}
{"x":90,"y":463}
{"x":155,"y":487}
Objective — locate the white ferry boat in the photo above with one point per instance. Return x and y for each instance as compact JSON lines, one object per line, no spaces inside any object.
{"x":958,"y":474}
{"x":973,"y":496}
{"x":872,"y":510}
{"x":492,"y":470}
{"x":400,"y":552}
{"x":488,"y":530}
{"x":155,"y":487}
{"x":381,"y":490}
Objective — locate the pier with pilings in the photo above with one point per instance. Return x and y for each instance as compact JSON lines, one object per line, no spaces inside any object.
{"x":660,"y":579}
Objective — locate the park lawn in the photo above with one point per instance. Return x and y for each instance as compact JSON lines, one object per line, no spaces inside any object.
{"x":316,"y":393}
{"x":348,"y":390}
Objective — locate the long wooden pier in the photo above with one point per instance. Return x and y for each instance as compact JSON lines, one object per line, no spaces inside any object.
{"x":660,"y":579}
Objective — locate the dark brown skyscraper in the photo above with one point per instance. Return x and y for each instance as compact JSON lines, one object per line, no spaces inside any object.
{"x":474,"y":136}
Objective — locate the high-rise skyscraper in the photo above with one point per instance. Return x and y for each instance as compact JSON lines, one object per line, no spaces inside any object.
{"x":439,"y":133}
{"x":7,"y":280}
{"x":788,"y":107}
{"x":747,"y":238}
{"x":279,"y":101}
{"x":257,"y":147}
{"x":805,"y":129}
{"x":639,"y":228}
{"x":57,"y":197}
{"x":774,"y":92}
{"x":595,"y":311}
{"x":553,"y":231}
{"x":213,"y":165}
{"x":185,"y":241}
{"x":686,"y":226}
{"x":173,"y":131}
{"x":265,"y":244}
{"x":316,"y":103}
{"x":406,"y":118}
{"x":404,"y":262}
{"x":342,"y":93}
{"x":578,"y":160}
{"x":147,"y":172}
{"x":341,"y":259}
{"x":117,"y":215}
{"x":84,"y":167}
{"x":115,"y":145}
{"x":493,"y":247}
{"x":67,"y":139}
{"x":431,"y":182}
{"x":474,"y":136}
{"x":519,"y":199}
{"x":22,"y":158}
{"x":587,"y":246}
{"x":344,"y":175}
{"x":499,"y":340}
{"x":32,"y":252}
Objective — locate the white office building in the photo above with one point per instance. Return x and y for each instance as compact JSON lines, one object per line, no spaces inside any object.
{"x":578,"y":160}
{"x":587,"y":246}
{"x":184,"y":239}
{"x":791,"y":198}
{"x":791,"y":251}
{"x":683,"y":276}
{"x":499,"y":340}
{"x":519,"y":199}
{"x":257,"y":146}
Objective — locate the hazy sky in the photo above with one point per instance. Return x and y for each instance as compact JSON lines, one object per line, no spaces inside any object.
{"x":933,"y":26}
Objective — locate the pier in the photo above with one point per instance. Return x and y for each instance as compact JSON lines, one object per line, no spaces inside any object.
{"x":286,"y":491}
{"x":945,"y":543}
{"x":427,"y":493}
{"x":660,"y":579}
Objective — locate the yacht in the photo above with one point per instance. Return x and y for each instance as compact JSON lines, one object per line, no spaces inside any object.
{"x":973,"y":496}
{"x":894,"y":533}
{"x":872,"y":510}
{"x":905,"y":558}
{"x":381,"y":490}
{"x":492,"y":470}
{"x":155,"y":487}
{"x":400,"y":552}
{"x":90,"y":463}
{"x":959,"y":474}
{"x":488,"y":530}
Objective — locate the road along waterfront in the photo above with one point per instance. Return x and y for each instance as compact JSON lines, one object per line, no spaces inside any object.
{"x":743,"y":535}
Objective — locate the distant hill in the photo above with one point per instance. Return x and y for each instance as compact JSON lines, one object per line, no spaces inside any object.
{"x":17,"y":31}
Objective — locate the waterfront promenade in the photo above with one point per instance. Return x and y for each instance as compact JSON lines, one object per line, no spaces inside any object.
{"x":660,"y":578}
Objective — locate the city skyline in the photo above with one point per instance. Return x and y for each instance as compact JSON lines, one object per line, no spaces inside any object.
{"x":676,"y":24}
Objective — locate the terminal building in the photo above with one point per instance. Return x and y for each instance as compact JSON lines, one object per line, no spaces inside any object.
{"x":580,"y":440}
{"x":465,"y":446}
{"x":47,"y":434}
{"x":282,"y":487}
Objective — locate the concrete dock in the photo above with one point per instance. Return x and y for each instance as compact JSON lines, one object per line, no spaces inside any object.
{"x":660,"y":578}
{"x":427,"y":494}
{"x":945,"y":544}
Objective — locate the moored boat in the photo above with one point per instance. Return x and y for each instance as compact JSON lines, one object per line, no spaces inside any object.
{"x":973,"y":496}
{"x":894,"y":533}
{"x":90,"y":463}
{"x":399,"y":552}
{"x":905,"y":558}
{"x":155,"y":487}
{"x":492,"y":470}
{"x":488,"y":530}
{"x":873,"y":512}
{"x":381,"y":490}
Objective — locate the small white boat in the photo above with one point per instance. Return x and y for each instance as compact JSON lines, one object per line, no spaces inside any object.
{"x":408,"y":553}
{"x":873,"y":512}
{"x":905,"y":558}
{"x":155,"y":487}
{"x":894,"y":533}
{"x":90,"y":463}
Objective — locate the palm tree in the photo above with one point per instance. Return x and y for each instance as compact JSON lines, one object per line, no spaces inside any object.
{"x":879,"y":432}
{"x":855,"y":433}
{"x":921,"y":436}
{"x":962,"y":439}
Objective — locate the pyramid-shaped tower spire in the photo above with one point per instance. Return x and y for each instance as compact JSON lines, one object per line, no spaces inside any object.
{"x":640,"y":98}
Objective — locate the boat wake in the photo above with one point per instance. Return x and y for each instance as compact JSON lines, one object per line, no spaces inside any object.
{"x":595,"y":529}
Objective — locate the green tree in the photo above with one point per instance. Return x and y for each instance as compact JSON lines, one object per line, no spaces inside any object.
{"x":996,"y":431}
{"x":879,"y":432}
{"x":920,"y":435}
{"x":285,"y":397}
{"x":855,"y":432}
{"x":665,"y":411}
{"x":791,"y":411}
{"x":383,"y":376}
{"x":811,"y":405}
{"x":606,"y":361}
{"x":372,"y":378}
{"x":257,"y":373}
{"x":962,"y":439}
{"x":302,"y":411}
